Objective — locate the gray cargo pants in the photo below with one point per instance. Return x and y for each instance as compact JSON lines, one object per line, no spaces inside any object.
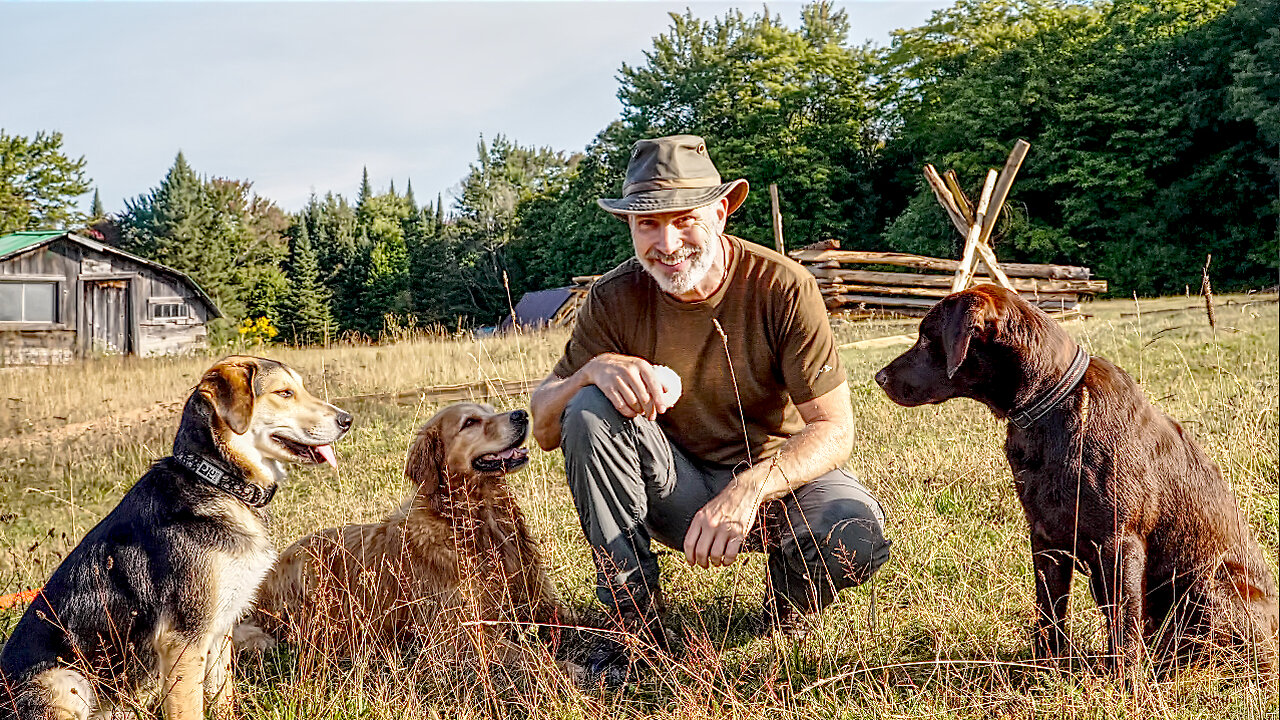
{"x":631,"y":484}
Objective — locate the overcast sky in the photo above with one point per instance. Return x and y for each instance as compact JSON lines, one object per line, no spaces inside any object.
{"x":298,"y":97}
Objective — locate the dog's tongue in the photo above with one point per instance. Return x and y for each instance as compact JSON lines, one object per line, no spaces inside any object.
{"x":508,"y":454}
{"x":326,"y":452}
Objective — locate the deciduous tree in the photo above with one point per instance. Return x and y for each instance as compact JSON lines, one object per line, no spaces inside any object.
{"x":39,"y":183}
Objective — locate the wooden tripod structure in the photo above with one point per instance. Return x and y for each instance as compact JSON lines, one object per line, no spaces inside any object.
{"x":976,"y":223}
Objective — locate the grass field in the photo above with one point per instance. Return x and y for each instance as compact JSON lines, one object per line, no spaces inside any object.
{"x":941,"y":631}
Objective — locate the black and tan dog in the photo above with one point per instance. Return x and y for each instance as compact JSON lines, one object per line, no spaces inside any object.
{"x":1108,"y":483}
{"x":146,"y":602}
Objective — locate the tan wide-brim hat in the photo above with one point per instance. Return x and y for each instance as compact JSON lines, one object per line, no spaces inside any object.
{"x":670,"y":174}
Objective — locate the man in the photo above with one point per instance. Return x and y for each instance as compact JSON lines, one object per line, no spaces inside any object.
{"x":748,"y":457}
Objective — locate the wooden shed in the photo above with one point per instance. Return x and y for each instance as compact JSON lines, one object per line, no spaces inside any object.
{"x":63,"y":295}
{"x":538,"y":309}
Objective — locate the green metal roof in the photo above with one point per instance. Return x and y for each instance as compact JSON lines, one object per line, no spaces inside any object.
{"x":14,"y":243}
{"x":19,"y":241}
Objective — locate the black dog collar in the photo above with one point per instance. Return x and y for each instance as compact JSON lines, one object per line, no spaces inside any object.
{"x":1046,"y":402}
{"x":214,"y":473}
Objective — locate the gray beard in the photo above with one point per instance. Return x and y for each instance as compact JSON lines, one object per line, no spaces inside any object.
{"x":685,"y":280}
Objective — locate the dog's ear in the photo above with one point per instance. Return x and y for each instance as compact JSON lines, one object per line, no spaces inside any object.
{"x":228,"y":386}
{"x":425,"y":462}
{"x":972,"y":316}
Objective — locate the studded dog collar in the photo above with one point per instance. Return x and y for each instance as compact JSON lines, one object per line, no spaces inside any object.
{"x":216,"y":474}
{"x":1046,"y":402}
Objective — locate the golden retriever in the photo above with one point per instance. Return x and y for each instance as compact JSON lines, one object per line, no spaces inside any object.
{"x":451,"y":569}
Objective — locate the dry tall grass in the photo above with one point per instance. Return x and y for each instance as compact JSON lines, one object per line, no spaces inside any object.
{"x":941,"y":631}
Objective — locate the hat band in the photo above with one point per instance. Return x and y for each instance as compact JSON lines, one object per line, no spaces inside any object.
{"x":706,"y":181}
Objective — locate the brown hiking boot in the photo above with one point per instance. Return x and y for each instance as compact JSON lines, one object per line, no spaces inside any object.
{"x":639,"y":637}
{"x":784,"y":618}
{"x":647,"y":626}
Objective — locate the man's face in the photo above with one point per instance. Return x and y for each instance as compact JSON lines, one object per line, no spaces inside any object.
{"x":679,"y":248}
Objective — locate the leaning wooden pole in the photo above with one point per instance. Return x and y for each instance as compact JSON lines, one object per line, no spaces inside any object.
{"x":964,"y":273}
{"x":1003,"y":185}
{"x":959,"y":209}
{"x":777,"y":219}
{"x":953,"y":184}
{"x":947,"y":201}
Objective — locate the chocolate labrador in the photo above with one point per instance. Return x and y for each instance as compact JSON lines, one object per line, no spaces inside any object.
{"x":1108,"y":484}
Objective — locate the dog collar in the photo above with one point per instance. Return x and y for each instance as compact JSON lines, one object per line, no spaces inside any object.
{"x":1073,"y":376}
{"x":214,"y":473}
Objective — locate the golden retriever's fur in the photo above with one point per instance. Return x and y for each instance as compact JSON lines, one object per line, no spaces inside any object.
{"x":452,"y":568}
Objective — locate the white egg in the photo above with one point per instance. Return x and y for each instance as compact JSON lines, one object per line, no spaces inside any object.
{"x":671,"y":385}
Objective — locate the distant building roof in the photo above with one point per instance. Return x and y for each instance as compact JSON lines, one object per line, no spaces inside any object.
{"x":25,"y":240}
{"x":15,"y":243}
{"x":539,"y":308}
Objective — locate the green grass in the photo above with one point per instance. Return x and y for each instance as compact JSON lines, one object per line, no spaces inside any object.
{"x":941,"y":631}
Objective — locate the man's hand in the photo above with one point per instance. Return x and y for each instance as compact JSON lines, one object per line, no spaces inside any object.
{"x":718,"y":530}
{"x":630,"y":383}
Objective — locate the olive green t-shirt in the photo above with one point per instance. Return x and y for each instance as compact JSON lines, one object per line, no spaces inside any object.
{"x":779,"y":340}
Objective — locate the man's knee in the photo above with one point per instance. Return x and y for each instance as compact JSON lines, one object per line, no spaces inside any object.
{"x":854,"y":549}
{"x":587,"y":412}
{"x":841,"y":555}
{"x":839,"y":530}
{"x":601,"y":453}
{"x":809,"y":570}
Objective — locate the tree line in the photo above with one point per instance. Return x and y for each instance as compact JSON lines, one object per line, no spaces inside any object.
{"x":1154,"y":126}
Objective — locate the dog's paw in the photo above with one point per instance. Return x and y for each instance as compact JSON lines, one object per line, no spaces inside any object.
{"x":248,"y":637}
{"x":577,"y":674}
{"x":607,"y":665}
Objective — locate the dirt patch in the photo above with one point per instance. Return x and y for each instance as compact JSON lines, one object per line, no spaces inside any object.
{"x":158,"y":412}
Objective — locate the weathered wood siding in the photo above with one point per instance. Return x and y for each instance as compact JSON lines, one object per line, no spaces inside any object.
{"x":37,"y":347}
{"x":105,"y":303}
{"x":44,"y":343}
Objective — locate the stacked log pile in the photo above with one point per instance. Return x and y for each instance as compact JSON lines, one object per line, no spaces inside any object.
{"x":1051,"y":287}
{"x":924,"y":280}
{"x":577,"y":295}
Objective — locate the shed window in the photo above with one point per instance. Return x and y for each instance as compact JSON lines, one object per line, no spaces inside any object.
{"x":28,"y":301}
{"x":169,"y":310}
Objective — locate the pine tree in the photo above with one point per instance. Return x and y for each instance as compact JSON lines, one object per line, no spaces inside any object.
{"x":171,"y":217}
{"x":228,"y":240}
{"x":366,"y":190}
{"x":348,"y":286}
{"x":436,"y":287}
{"x":95,"y":210}
{"x":505,"y":177}
{"x":408,"y":197}
{"x":305,"y":319}
{"x":386,"y":286}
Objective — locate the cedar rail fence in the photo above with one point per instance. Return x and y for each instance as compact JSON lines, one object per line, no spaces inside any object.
{"x":1049,"y":287}
{"x":845,"y":289}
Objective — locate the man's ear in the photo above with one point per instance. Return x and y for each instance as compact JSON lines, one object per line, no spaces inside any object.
{"x":425,"y":463}
{"x":967,"y":319}
{"x":228,"y":386}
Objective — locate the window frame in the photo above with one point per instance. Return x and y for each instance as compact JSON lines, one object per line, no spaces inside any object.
{"x":157,"y":302}
{"x":22,"y":281}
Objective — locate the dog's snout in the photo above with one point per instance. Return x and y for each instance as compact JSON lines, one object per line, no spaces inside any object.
{"x":344,"y":420}
{"x":519,"y":416}
{"x":882,"y":377}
